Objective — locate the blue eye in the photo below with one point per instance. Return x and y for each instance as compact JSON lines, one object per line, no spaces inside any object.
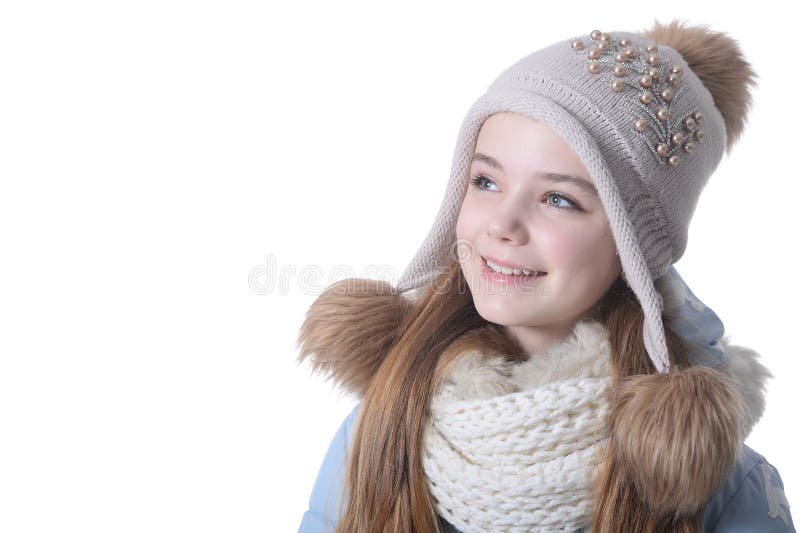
{"x":558,"y":195}
{"x":479,"y":181}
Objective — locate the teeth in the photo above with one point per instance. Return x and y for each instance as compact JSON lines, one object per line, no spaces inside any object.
{"x":510,"y":271}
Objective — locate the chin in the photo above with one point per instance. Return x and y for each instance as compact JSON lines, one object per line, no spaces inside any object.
{"x":499,"y":310}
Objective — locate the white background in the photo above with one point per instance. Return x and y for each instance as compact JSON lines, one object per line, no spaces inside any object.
{"x":155,"y":155}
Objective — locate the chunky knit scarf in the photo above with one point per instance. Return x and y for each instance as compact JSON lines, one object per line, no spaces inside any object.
{"x":516,"y":446}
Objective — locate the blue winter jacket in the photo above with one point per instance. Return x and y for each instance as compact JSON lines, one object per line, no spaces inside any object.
{"x":747,"y":503}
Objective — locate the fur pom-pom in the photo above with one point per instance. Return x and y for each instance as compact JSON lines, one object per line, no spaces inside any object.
{"x":349,"y":329}
{"x":677,"y":435}
{"x":719,"y":63}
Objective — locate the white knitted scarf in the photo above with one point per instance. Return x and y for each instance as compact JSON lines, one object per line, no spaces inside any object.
{"x":516,"y":446}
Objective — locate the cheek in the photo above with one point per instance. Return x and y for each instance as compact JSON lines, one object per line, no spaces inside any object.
{"x":578,"y":245}
{"x":467,"y":220}
{"x":468,"y":228}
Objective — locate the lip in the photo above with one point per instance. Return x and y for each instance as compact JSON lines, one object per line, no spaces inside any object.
{"x":504,"y":264}
{"x":519,"y":281}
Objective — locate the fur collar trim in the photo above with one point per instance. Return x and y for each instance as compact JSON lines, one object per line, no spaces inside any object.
{"x":476,"y":373}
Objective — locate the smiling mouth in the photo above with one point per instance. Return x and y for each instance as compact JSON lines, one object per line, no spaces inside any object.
{"x":523,"y":272}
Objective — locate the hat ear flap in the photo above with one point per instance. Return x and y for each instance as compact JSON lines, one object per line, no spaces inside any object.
{"x":349,"y":329}
{"x":677,"y":436}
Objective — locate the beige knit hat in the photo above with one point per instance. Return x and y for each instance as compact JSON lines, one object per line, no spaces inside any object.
{"x":649,"y":114}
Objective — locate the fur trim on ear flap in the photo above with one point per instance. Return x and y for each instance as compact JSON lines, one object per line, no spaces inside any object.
{"x":677,"y":435}
{"x":349,"y":329}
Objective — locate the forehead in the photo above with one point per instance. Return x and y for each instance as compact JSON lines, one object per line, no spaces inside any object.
{"x":516,"y":140}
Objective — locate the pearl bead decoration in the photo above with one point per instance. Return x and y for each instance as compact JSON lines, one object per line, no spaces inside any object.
{"x":655,"y":81}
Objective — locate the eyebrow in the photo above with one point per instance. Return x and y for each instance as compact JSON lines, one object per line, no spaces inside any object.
{"x":551,"y":176}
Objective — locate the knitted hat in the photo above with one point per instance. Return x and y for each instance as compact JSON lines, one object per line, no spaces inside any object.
{"x":650,"y":116}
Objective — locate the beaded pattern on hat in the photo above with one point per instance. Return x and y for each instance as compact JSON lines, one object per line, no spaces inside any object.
{"x":656,"y":84}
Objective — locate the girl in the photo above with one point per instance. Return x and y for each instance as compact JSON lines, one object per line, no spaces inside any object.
{"x":541,"y":366}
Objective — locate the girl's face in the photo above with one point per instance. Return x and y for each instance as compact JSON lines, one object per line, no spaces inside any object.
{"x":518,"y":213}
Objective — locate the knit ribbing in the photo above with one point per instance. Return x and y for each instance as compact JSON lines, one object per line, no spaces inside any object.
{"x":523,"y":459}
{"x":518,"y":462}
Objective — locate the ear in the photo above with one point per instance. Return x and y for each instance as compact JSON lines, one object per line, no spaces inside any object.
{"x":349,"y":329}
{"x":677,"y":436}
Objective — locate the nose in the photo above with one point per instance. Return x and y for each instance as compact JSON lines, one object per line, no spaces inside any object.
{"x":507,"y":222}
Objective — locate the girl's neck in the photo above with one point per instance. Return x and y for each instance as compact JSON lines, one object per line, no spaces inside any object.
{"x":539,"y":339}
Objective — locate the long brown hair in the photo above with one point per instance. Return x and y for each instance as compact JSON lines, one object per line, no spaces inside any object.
{"x":385,"y":480}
